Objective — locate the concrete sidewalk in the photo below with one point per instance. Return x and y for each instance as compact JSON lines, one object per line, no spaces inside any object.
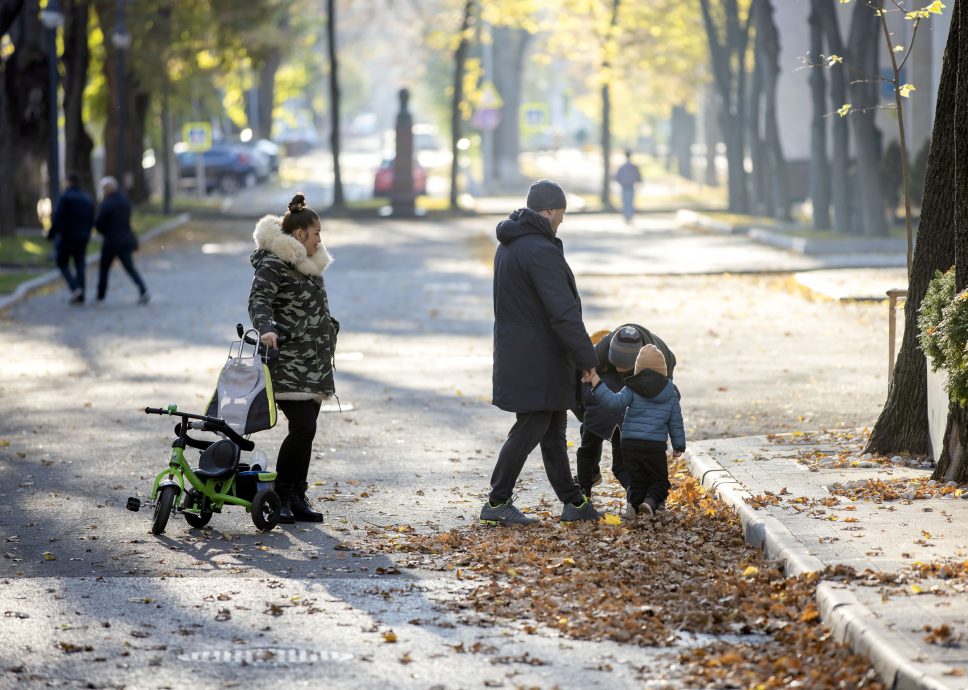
{"x":813,"y":501}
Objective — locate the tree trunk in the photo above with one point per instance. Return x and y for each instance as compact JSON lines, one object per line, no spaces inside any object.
{"x":334,"y":102}
{"x":760,"y":199}
{"x":460,"y":58}
{"x":607,"y":116}
{"x":9,"y":11}
{"x":681,"y":140}
{"x":511,"y":47}
{"x":768,"y":39}
{"x":862,"y":54}
{"x":26,"y":94}
{"x":267,"y":95}
{"x":839,"y":130}
{"x":139,"y":104}
{"x":902,"y":425}
{"x":953,"y":464}
{"x":77,"y":57}
{"x":819,"y":163}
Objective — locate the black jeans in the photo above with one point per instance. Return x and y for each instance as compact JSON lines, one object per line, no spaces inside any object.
{"x":648,"y":470}
{"x":78,"y":255}
{"x":590,"y":458}
{"x":108,"y":255}
{"x":296,"y":450}
{"x":530,"y":430}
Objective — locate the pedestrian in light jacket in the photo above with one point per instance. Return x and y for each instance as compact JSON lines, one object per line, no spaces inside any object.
{"x":70,"y":231}
{"x":652,"y":416}
{"x":114,"y":223}
{"x":541,"y":349}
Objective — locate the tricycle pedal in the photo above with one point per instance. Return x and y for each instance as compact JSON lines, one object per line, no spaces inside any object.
{"x":134,"y":504}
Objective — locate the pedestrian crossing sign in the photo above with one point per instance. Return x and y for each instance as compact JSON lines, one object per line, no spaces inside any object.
{"x":197,"y":136}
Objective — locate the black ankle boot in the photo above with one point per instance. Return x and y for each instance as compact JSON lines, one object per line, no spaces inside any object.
{"x":302,"y":511}
{"x":285,"y":492}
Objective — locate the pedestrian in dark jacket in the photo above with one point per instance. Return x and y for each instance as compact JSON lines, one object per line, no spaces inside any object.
{"x":114,"y":224}
{"x":616,"y":353}
{"x":288,"y":289}
{"x":541,"y":349}
{"x":70,"y":231}
{"x":652,"y":415}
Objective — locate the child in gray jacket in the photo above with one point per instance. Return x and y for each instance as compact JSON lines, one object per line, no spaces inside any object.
{"x":652,"y":415}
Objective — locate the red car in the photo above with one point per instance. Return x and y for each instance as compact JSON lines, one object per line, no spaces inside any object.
{"x":383,"y":181}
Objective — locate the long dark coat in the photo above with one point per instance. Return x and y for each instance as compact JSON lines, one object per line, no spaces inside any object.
{"x":72,"y":220}
{"x":540,"y":341}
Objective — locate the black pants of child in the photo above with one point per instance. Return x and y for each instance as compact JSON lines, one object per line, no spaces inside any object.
{"x":590,"y":459}
{"x":648,"y":471}
{"x":108,"y":254}
{"x":297,"y":448}
{"x":531,"y":429}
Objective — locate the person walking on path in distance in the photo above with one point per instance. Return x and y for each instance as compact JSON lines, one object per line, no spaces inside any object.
{"x":541,"y":351}
{"x":114,"y":223}
{"x":652,"y":415}
{"x":288,"y":289}
{"x":628,"y":176}
{"x":70,"y":231}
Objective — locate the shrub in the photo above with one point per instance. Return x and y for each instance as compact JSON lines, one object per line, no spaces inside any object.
{"x":943,"y":332}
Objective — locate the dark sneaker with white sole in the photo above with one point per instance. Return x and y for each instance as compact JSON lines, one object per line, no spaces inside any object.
{"x":576,"y":513}
{"x":504,"y":514}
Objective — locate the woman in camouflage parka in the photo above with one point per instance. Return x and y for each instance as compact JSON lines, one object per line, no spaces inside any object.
{"x":288,"y":289}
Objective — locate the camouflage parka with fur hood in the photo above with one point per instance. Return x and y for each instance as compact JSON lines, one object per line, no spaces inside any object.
{"x":288,"y":288}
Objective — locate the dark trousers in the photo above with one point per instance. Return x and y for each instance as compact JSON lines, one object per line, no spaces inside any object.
{"x":108,"y":255}
{"x":296,"y":450}
{"x":531,"y":429}
{"x":648,"y":470}
{"x":590,"y":458}
{"x":76,"y":254}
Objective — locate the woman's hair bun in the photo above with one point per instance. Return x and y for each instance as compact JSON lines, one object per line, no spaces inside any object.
{"x":297,"y":204}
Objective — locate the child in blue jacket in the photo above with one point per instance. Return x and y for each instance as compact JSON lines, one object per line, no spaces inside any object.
{"x":652,"y":415}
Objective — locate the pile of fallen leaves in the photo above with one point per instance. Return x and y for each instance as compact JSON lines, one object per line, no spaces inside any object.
{"x":645,"y":583}
{"x":898,"y":489}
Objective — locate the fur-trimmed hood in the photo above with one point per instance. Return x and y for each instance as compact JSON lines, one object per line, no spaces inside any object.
{"x":269,"y":237}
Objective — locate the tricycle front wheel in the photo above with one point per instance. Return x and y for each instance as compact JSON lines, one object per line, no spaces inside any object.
{"x":163,"y":507}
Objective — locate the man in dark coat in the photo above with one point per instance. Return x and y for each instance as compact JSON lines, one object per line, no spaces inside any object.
{"x":541,"y":349}
{"x":114,"y":223}
{"x":616,"y":353}
{"x":70,"y":231}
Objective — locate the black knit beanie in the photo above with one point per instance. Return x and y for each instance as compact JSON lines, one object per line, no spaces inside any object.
{"x":545,"y":194}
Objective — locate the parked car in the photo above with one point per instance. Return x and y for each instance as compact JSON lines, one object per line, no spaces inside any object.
{"x":383,"y":180}
{"x":228,"y":167}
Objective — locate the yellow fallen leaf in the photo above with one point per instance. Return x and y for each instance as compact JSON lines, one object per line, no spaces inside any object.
{"x":751,"y":571}
{"x":810,"y":614}
{"x":389,"y":636}
{"x":512,"y":572}
{"x":568,"y":561}
{"x":48,"y":556}
{"x":570,"y":444}
{"x":612,"y":519}
{"x":917,"y":589}
{"x":460,"y":574}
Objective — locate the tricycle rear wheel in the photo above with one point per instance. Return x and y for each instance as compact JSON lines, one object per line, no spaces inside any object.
{"x":194,"y":499}
{"x":265,"y":510}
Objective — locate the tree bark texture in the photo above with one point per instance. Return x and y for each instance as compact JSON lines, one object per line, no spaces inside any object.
{"x":9,"y":11}
{"x":510,"y":49}
{"x":862,"y":54}
{"x":953,"y":464}
{"x":460,"y":58}
{"x":819,"y":162}
{"x":839,"y":130}
{"x":78,"y":145}
{"x":760,"y":198}
{"x":902,"y":425}
{"x":681,"y":139}
{"x":267,"y":94}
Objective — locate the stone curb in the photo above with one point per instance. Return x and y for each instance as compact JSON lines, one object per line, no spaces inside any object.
{"x":26,"y":288}
{"x":813,"y":247}
{"x":850,"y":620}
{"x":693,"y":219}
{"x":855,"y":625}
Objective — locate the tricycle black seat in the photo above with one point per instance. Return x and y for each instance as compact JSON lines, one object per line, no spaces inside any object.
{"x":218,"y":460}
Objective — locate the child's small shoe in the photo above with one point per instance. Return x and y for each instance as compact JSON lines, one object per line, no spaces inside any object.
{"x":648,"y":507}
{"x":630,"y":512}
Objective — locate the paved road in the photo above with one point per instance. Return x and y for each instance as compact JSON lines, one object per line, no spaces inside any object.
{"x":417,"y":448}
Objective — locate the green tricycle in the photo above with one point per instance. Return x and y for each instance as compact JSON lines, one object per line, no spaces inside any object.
{"x":219,"y":479}
{"x":242,"y":404}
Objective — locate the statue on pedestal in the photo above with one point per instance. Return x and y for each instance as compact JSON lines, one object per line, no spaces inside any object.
{"x":402,"y":196}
